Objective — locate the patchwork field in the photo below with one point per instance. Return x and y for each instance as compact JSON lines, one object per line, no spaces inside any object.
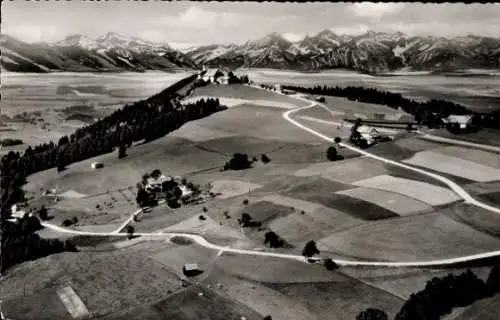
{"x":344,"y":171}
{"x":105,"y":282}
{"x":403,"y":282}
{"x":421,"y":191}
{"x":413,"y":238}
{"x":394,"y":202}
{"x":282,"y":152}
{"x":455,"y":166}
{"x":339,"y":300}
{"x":481,"y":157}
{"x":193,"y":303}
{"x":171,"y":155}
{"x":356,"y":208}
{"x":46,"y":95}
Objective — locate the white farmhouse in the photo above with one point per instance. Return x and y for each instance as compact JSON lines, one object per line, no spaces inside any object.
{"x":157,"y":184}
{"x":16,"y":213}
{"x":369,"y":134}
{"x":463,"y":120}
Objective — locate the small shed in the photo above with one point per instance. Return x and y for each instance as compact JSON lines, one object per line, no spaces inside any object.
{"x":96,"y":165}
{"x":191,"y":270}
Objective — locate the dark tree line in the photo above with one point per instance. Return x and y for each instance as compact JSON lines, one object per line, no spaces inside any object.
{"x":441,"y":295}
{"x":233,"y":79}
{"x":427,"y":113}
{"x":20,"y":243}
{"x":143,"y":120}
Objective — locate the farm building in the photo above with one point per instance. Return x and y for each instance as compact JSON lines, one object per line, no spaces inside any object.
{"x":96,"y":165}
{"x":16,"y":213}
{"x":286,"y":91}
{"x":191,"y":269}
{"x":463,"y":121}
{"x":157,"y":184}
{"x":214,"y":75}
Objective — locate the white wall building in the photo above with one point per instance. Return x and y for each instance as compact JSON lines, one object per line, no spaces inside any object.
{"x":463,"y":120}
{"x":156,"y":184}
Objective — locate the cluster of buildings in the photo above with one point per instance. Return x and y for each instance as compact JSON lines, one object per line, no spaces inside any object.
{"x":162,"y":184}
{"x":213,"y":75}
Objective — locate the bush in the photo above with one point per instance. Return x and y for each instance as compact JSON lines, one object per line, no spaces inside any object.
{"x":245,"y":202}
{"x":372,"y":314}
{"x":239,"y":161}
{"x":67,"y":223}
{"x":265,"y":159}
{"x":205,"y":209}
{"x":156,"y":173}
{"x":202,"y":217}
{"x":273,"y":240}
{"x":310,"y":249}
{"x":43,"y":213}
{"x":330,"y":264}
{"x":338,"y":140}
{"x":10,"y":142}
{"x":331,"y":153}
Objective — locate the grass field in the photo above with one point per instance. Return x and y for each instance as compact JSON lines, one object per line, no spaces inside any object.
{"x":485,"y":136}
{"x":484,"y":309}
{"x":394,"y":202}
{"x":171,"y":155}
{"x":246,"y":92}
{"x":258,"y":297}
{"x":421,"y":191}
{"x":413,"y":238}
{"x":346,"y":171}
{"x":455,"y":166}
{"x":337,"y":104}
{"x":415,"y":144}
{"x":105,"y":282}
{"x":481,"y":157}
{"x":403,"y":282}
{"x":478,"y":218}
{"x":189,"y":305}
{"x":28,"y":93}
{"x":256,"y":121}
{"x":339,"y":300}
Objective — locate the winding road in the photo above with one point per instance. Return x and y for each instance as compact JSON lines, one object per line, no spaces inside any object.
{"x":340,"y":262}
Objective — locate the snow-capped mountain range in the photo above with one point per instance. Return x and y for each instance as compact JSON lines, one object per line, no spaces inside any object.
{"x":372,"y":52}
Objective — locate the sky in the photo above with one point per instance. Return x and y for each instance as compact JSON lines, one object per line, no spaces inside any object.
{"x":195,"y":23}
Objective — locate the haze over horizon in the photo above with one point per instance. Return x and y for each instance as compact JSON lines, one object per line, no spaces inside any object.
{"x":184,"y":24}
